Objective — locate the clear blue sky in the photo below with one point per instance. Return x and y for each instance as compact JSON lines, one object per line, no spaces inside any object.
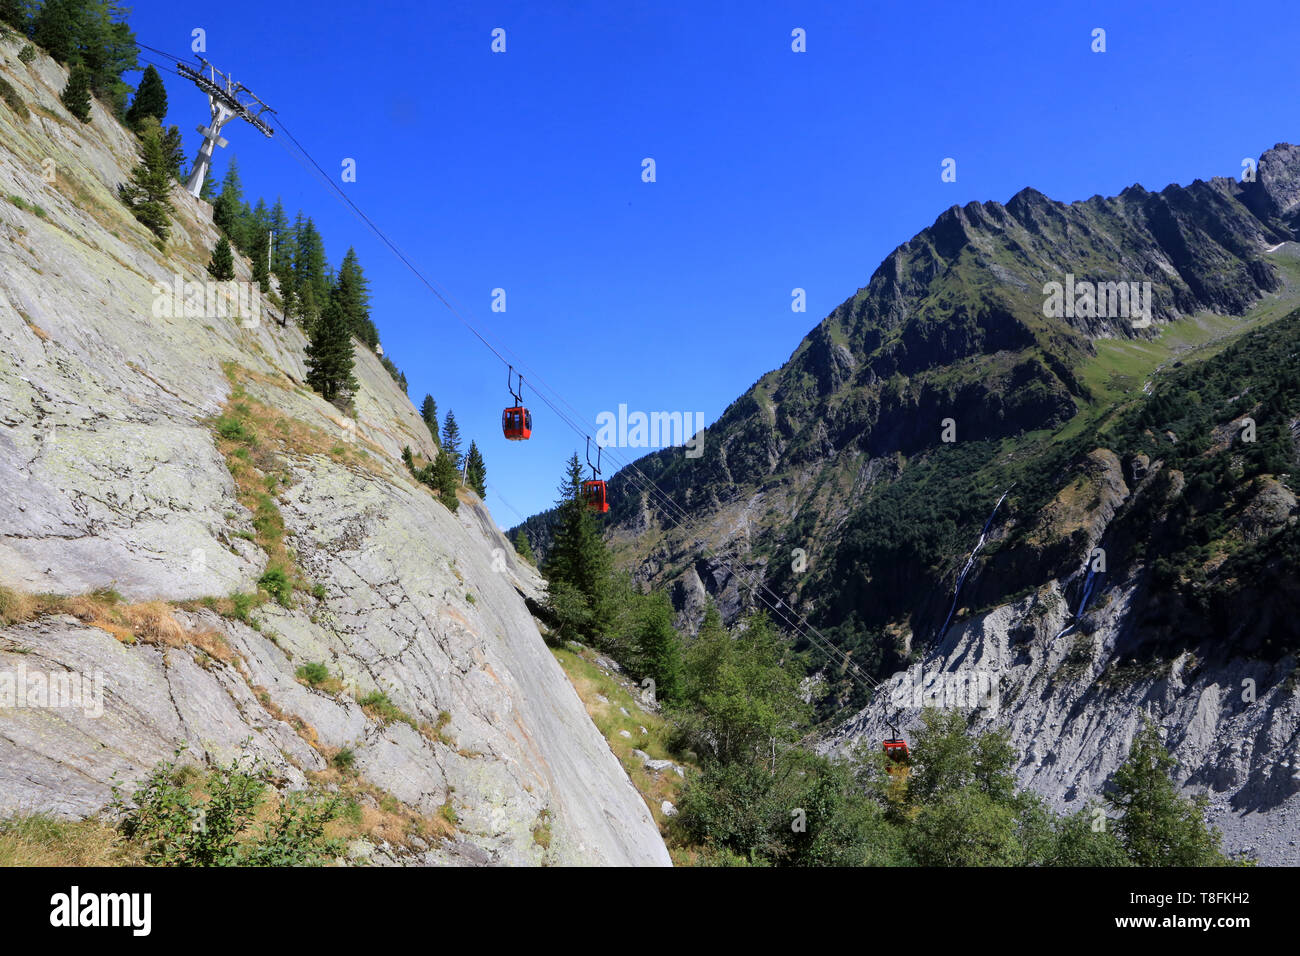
{"x":775,"y":169}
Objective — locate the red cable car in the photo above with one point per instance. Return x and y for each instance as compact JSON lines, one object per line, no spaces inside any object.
{"x":516,"y":422}
{"x":896,"y":750}
{"x":593,"y":491}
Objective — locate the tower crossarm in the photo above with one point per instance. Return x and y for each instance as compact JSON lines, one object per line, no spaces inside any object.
{"x":229,"y":100}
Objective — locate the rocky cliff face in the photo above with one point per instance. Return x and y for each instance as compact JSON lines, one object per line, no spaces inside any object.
{"x":111,"y":477}
{"x":1073,"y":693}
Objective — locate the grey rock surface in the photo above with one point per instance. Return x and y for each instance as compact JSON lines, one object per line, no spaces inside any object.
{"x":1075,"y":729}
{"x":110,"y":478}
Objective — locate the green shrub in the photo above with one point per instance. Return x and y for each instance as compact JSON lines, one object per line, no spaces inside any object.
{"x":352,"y":812}
{"x":27,"y":53}
{"x":234,"y":429}
{"x":448,"y":813}
{"x":277,"y":584}
{"x":313,"y":673}
{"x":11,"y":97}
{"x":241,"y":605}
{"x":378,"y":702}
{"x":345,"y":760}
{"x":174,"y":826}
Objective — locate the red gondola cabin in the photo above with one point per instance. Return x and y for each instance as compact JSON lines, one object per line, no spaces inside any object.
{"x":517,"y":423}
{"x":896,"y":750}
{"x":594,"y":493}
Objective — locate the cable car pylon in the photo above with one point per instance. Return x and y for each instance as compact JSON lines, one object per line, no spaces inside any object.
{"x":223,"y":98}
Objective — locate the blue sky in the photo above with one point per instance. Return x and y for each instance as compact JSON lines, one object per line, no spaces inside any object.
{"x":775,"y":169}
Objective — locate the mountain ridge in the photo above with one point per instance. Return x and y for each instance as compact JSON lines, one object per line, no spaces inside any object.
{"x":830,"y":478}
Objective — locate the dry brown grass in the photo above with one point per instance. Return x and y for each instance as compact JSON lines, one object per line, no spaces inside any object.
{"x":291,"y":434}
{"x":149,"y":622}
{"x":374,"y":814}
{"x":304,"y":730}
{"x":17,"y":607}
{"x":42,"y":840}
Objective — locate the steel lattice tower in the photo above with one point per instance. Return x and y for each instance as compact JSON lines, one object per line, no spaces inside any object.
{"x":224,"y":98}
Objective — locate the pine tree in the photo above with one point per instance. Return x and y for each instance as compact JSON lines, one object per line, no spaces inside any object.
{"x":446,"y":479}
{"x":281,"y":245}
{"x":310,"y":266}
{"x":90,"y":34}
{"x":149,"y":191}
{"x":174,"y":149}
{"x":150,"y":99}
{"x":658,"y":647}
{"x":260,"y":218}
{"x":523,"y":548}
{"x":227,"y":211}
{"x":429,"y":412}
{"x":261,"y":268}
{"x":55,"y":29}
{"x":308,"y":307}
{"x":76,"y":94}
{"x":451,"y":438}
{"x":14,"y":13}
{"x":106,"y":47}
{"x":1157,"y":826}
{"x":578,"y":565}
{"x":330,"y":356}
{"x":354,"y":295}
{"x":476,"y":471}
{"x":222,"y":266}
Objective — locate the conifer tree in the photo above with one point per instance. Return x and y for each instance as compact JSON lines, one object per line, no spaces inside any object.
{"x":150,"y":99}
{"x":451,"y":439}
{"x":261,"y":268}
{"x":14,"y":13}
{"x":281,"y":245}
{"x":227,"y":210}
{"x":174,"y":149}
{"x":1157,"y":826}
{"x":105,"y":47}
{"x":76,"y":94}
{"x":310,"y":276}
{"x":658,"y":647}
{"x":354,"y":296}
{"x":92,"y":35}
{"x":523,"y":548}
{"x":330,"y":356}
{"x":55,"y":29}
{"x":149,"y":191}
{"x":476,"y":471}
{"x":446,"y":479}
{"x":260,"y":218}
{"x":429,"y":412}
{"x":578,"y":565}
{"x":222,"y":266}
